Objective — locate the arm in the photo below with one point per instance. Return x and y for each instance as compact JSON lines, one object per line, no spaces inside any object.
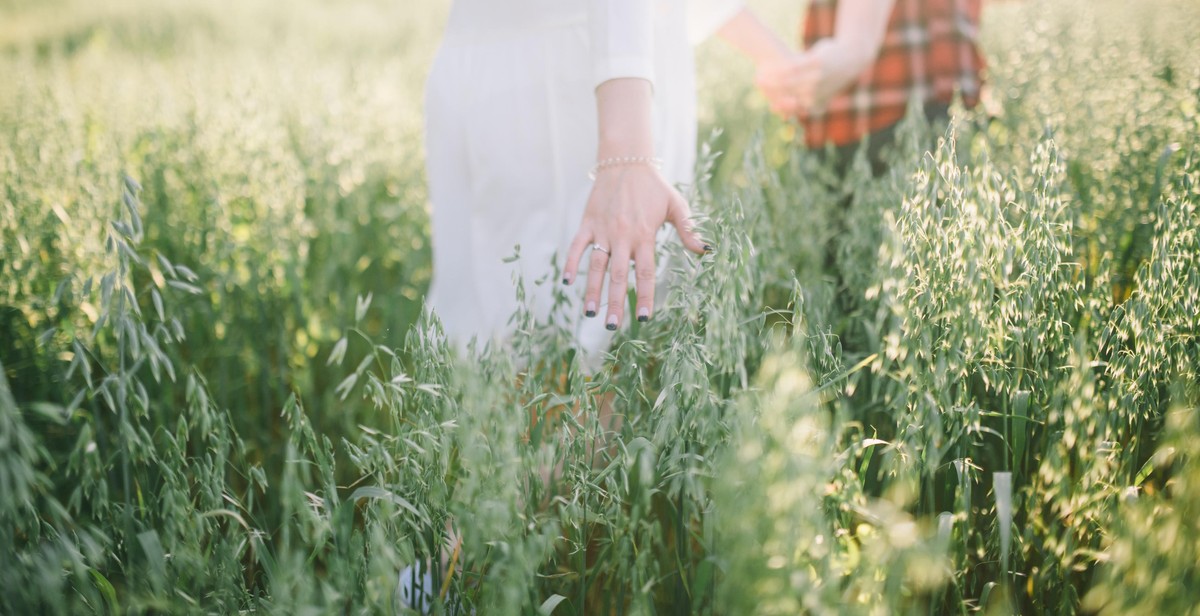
{"x":630,"y":202}
{"x":746,"y":33}
{"x":811,"y":78}
{"x":859,"y":32}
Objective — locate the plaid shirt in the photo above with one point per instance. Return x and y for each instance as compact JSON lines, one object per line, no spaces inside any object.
{"x":930,"y":51}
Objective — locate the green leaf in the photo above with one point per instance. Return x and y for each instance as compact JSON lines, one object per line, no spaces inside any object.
{"x":158,"y":304}
{"x":378,"y":493}
{"x":1144,"y":473}
{"x":53,"y":412}
{"x":548,"y":605}
{"x":347,"y":384}
{"x":1020,"y":426}
{"x":107,"y":591}
{"x":228,"y":513}
{"x":155,"y":556}
{"x":361,"y":305}
{"x":185,"y":287}
{"x":338,"y":353}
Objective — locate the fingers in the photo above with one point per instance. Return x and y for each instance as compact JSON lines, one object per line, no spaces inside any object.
{"x":582,"y":239}
{"x":622,"y":238}
{"x":644,"y":272}
{"x":789,"y":87}
{"x":618,"y":285}
{"x":767,"y":81}
{"x":783,"y":101}
{"x":680,"y":216}
{"x":597,"y":266}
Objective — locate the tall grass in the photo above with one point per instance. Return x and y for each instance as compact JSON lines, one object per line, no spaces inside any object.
{"x":968,"y":385}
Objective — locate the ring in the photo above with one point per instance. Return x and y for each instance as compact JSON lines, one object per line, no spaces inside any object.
{"x":601,"y":249}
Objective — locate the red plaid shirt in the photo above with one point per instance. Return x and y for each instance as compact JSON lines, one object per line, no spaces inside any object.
{"x":930,"y":51}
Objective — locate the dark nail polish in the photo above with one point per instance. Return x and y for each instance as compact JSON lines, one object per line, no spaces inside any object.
{"x":643,"y":319}
{"x":612,"y":327}
{"x":566,"y":280}
{"x":589,"y":314}
{"x":708,"y":248}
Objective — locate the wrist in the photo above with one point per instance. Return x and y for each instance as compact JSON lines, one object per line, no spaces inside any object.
{"x":625,"y":110}
{"x":604,"y":164}
{"x":624,"y":148}
{"x":773,"y":56}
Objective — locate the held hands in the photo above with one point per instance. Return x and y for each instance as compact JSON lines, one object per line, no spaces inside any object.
{"x":628,"y":205}
{"x":790,"y":84}
{"x":788,"y":79}
{"x":807,"y":81}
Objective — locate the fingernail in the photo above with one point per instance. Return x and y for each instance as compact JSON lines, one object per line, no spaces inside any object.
{"x":643,"y":315}
{"x":590,"y":311}
{"x":566,"y":280}
{"x":708,"y":248}
{"x":612,"y":323}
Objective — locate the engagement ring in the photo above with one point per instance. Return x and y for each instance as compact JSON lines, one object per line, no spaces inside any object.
{"x":601,"y":249}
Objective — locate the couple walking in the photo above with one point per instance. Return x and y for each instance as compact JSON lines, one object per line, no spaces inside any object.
{"x":564,"y":126}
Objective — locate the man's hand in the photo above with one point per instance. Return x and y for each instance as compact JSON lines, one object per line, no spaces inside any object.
{"x":790,"y":85}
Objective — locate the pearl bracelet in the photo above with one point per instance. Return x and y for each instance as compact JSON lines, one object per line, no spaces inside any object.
{"x":624,"y":161}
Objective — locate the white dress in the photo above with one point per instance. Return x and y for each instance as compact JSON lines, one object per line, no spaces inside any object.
{"x":511,"y":135}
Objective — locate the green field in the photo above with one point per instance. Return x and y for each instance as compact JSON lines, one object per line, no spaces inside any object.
{"x":974,"y":388}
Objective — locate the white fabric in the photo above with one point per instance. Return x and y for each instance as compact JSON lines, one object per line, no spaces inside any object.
{"x":705,"y":17}
{"x":622,"y":39}
{"x":511,"y":135}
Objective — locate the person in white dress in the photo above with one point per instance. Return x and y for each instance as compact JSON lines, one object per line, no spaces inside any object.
{"x":562,"y":126}
{"x":525,"y":100}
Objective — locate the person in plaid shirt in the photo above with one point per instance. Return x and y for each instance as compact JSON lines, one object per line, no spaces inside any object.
{"x":865,"y":61}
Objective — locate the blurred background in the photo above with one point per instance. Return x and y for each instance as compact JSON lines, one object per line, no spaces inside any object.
{"x":217,"y":394}
{"x":280,"y":153}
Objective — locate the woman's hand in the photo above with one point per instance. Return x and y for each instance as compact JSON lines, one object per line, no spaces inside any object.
{"x":629,"y":202}
{"x":627,"y":207}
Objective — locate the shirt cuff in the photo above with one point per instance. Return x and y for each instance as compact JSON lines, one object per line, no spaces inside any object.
{"x":622,"y":39}
{"x":637,"y":67}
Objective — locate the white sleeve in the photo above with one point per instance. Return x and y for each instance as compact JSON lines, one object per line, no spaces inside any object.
{"x":705,"y":17}
{"x":622,"y":38}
